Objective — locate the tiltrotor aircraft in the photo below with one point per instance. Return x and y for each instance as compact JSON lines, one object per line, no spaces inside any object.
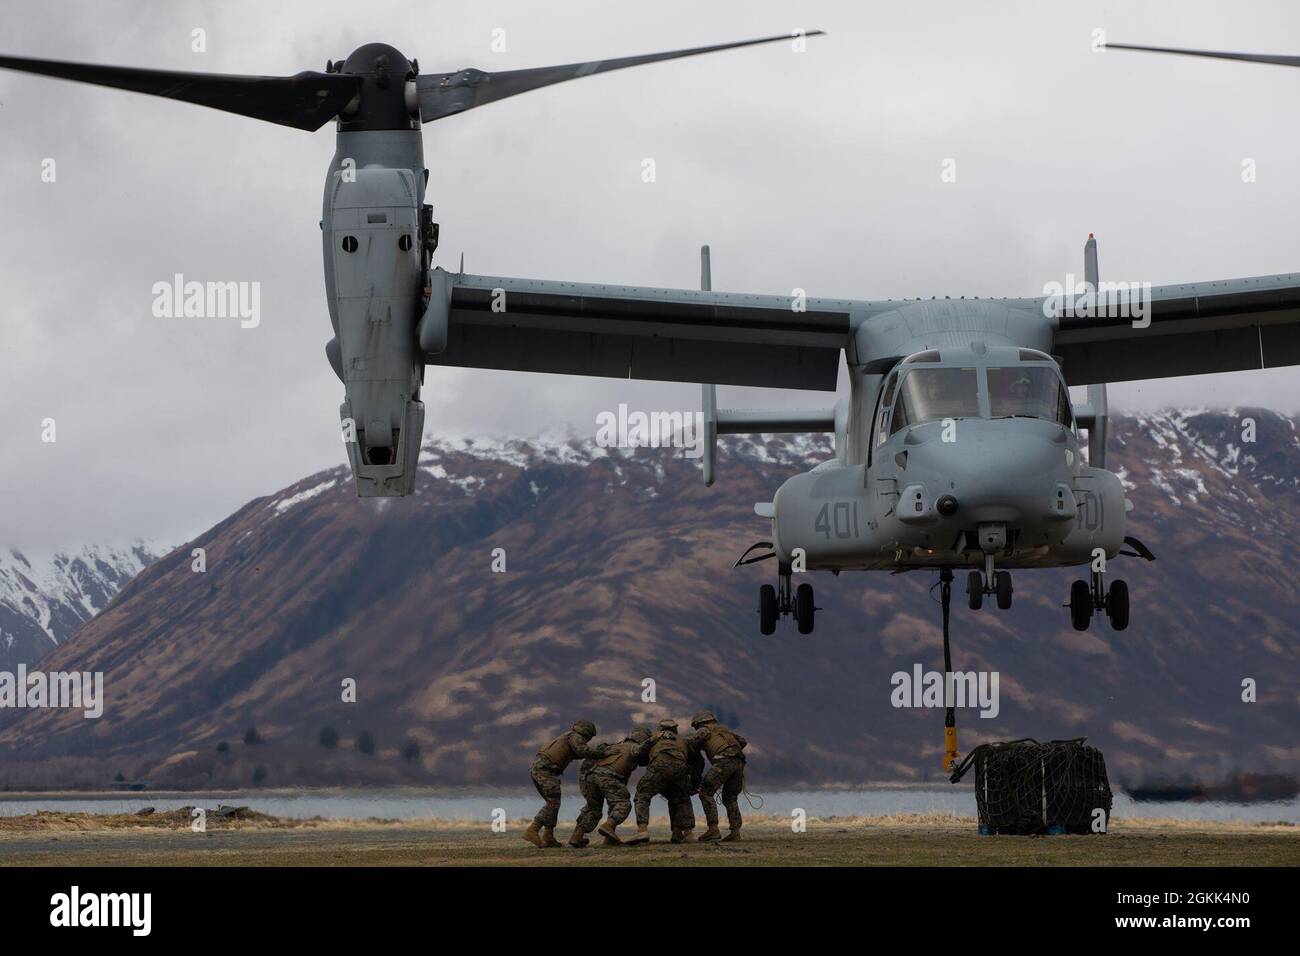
{"x":958,"y":446}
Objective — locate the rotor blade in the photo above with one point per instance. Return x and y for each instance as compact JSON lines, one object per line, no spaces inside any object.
{"x":1277,"y":59}
{"x":306,"y":101}
{"x":443,"y":94}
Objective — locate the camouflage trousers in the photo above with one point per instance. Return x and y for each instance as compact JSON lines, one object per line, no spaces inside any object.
{"x":547,"y":781}
{"x":671,"y":781}
{"x":728,"y":775}
{"x":600,"y":787}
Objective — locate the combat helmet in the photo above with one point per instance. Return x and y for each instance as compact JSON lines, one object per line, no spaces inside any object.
{"x":668,"y":724}
{"x":640,"y":735}
{"x":703,"y":717}
{"x":584,"y":727}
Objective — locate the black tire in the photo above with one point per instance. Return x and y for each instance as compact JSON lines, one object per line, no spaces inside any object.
{"x":1003,"y":584}
{"x":975,"y":590}
{"x":1117,"y":605}
{"x":767,"y":612}
{"x":804,"y":608}
{"x":1080,"y":605}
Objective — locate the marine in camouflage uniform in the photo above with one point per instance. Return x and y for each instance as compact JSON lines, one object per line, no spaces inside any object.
{"x":592,"y":796}
{"x":726,"y":752}
{"x":546,"y":770}
{"x":668,"y":774}
{"x":606,"y":782}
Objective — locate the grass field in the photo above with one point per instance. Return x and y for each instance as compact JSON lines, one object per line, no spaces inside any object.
{"x":165,"y":839}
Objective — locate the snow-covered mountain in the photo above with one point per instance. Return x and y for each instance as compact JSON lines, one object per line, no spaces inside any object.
{"x":44,"y":599}
{"x":620,"y":568}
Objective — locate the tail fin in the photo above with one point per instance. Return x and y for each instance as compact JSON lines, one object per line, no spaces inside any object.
{"x":709,"y":393}
{"x":1095,"y":416}
{"x":792,"y":421}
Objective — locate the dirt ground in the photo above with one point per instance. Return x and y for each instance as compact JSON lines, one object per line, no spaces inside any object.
{"x":165,"y":839}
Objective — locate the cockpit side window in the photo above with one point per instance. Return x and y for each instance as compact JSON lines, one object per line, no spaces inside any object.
{"x":889,"y":390}
{"x":886,"y":400}
{"x":1028,"y":391}
{"x":933,"y":394}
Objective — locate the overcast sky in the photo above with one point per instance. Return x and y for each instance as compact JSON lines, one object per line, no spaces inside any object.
{"x":819,"y":171}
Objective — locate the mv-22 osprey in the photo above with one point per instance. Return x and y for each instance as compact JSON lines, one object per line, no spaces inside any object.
{"x":958,"y":446}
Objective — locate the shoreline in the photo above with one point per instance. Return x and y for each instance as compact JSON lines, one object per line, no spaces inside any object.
{"x":86,"y":840}
{"x":466,"y":790}
{"x":176,"y":820}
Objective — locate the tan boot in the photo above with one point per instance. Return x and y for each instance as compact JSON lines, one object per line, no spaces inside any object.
{"x":711,"y":835}
{"x":607,"y":829}
{"x":579,"y":839}
{"x":733,"y":836}
{"x":548,"y":837}
{"x":533,"y":834}
{"x":642,"y":836}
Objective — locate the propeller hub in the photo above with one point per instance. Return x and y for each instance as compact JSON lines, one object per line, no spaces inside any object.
{"x":382,"y":103}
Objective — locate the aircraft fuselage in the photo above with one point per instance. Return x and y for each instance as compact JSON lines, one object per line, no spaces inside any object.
{"x":958,"y":452}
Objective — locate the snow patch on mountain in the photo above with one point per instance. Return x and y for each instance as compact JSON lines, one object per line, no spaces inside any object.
{"x":44,"y":598}
{"x":285,"y":504}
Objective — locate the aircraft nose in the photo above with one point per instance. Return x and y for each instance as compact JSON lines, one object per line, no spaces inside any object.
{"x":1008,"y":470}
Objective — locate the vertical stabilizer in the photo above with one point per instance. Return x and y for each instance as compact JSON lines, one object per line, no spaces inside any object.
{"x":709,"y":393}
{"x":1098,"y":430}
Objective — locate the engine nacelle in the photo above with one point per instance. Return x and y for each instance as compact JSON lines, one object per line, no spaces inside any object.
{"x":374,"y":242}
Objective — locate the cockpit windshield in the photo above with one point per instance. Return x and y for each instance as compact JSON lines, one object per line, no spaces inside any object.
{"x":1028,"y":391}
{"x":933,"y":394}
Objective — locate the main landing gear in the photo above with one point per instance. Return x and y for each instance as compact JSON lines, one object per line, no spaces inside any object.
{"x":776,"y":602}
{"x":988,"y":581}
{"x":1089,"y":597}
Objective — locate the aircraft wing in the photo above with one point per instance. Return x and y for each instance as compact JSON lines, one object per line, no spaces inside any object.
{"x":1200,"y":327}
{"x":669,"y":335}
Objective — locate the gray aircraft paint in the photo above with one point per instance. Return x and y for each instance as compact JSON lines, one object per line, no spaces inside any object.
{"x":872,"y":506}
{"x":373,"y":194}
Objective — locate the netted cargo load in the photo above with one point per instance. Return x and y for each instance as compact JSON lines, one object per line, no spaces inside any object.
{"x":1026,"y":787}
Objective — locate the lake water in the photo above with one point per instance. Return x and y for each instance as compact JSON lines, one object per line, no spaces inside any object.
{"x":406,"y":805}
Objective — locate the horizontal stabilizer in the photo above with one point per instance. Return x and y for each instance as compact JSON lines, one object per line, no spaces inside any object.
{"x":790,"y":421}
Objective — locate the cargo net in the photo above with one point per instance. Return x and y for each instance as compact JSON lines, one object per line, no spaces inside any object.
{"x":1024,"y":787}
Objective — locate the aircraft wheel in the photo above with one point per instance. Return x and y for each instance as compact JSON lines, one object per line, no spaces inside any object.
{"x":767,"y":612}
{"x":1080,"y":605}
{"x":975,"y":590}
{"x":1117,"y":605}
{"x":1003,"y":584}
{"x":803,"y":608}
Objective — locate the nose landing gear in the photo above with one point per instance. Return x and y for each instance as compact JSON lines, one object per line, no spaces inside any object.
{"x":988,"y":581}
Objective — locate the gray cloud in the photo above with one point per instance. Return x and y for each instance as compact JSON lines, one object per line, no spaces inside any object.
{"x":818,"y":171}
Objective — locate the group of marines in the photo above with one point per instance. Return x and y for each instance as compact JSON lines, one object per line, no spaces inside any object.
{"x":674,"y":769}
